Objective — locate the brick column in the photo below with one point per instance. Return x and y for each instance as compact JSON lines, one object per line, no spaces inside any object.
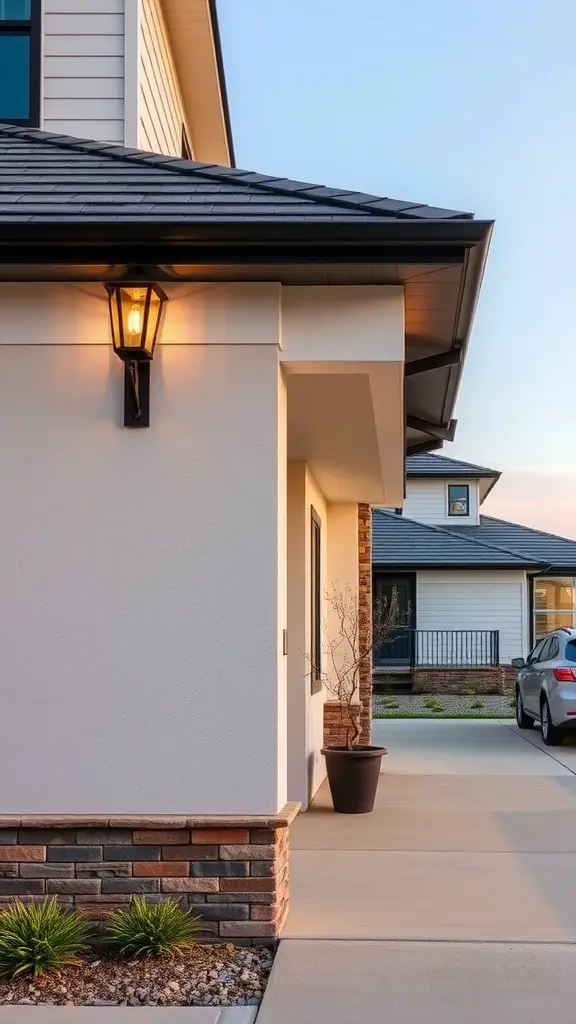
{"x":365,"y":616}
{"x":337,"y":723}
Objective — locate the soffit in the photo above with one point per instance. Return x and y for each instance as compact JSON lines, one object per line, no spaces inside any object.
{"x":191,"y":32}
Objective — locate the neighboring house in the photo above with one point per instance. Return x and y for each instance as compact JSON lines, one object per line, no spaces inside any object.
{"x":475,"y":591}
{"x":163,"y":589}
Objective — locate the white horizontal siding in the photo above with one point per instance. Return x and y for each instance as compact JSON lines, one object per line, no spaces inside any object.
{"x":84,"y":6}
{"x":486,"y":599}
{"x":83,"y":91}
{"x":84,"y":46}
{"x":88,"y":68}
{"x":74,"y":89}
{"x":426,"y":501}
{"x":161,"y":111}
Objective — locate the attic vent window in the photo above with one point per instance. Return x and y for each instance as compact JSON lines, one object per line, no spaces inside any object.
{"x":458,"y":500}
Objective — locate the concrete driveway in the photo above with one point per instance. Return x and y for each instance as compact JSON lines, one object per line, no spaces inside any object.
{"x":468,"y":859}
{"x":473,"y":837}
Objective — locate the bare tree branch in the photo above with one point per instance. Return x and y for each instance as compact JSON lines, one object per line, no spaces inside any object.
{"x":347,"y":651}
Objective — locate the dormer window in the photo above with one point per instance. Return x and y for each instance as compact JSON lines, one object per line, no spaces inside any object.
{"x":458,"y":500}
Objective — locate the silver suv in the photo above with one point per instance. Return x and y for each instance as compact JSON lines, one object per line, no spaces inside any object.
{"x":546,"y":686}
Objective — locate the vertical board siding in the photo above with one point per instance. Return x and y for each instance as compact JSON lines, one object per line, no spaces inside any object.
{"x":474,"y":599}
{"x":83,"y":77}
{"x":427,"y":502}
{"x":161,"y":108}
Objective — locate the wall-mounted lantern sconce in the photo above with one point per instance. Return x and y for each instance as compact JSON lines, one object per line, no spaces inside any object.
{"x":135,"y":312}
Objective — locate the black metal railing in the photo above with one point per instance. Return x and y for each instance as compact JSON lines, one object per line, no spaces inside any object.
{"x":439,"y":648}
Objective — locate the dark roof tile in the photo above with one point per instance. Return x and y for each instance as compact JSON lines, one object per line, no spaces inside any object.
{"x":557,"y":552}
{"x":397,"y":541}
{"x":428,"y":464}
{"x":134,"y":182}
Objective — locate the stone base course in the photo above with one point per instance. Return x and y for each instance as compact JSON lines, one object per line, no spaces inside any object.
{"x":235,"y":878}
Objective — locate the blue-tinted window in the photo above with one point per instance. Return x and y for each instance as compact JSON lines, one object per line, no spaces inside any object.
{"x":15,"y":10}
{"x":14,"y":76}
{"x":570,"y":652}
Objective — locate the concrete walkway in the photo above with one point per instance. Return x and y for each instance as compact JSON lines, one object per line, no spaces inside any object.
{"x":471,"y":846}
{"x":420,"y":983}
{"x":119,"y":1015}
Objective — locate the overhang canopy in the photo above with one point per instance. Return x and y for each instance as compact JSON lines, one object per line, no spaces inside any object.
{"x":72,"y":209}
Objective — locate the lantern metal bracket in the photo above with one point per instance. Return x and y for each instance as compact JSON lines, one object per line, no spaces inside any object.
{"x":137,"y":393}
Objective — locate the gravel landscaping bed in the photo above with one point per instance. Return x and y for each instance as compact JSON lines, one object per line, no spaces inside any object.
{"x":203,"y":975}
{"x":452,"y":704}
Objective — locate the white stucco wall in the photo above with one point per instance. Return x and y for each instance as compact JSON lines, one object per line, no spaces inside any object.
{"x":315,"y":718}
{"x":426,"y":501}
{"x":339,"y":524}
{"x":356,"y":323}
{"x":142,"y":571}
{"x":306,"y":768}
{"x":476,"y":599}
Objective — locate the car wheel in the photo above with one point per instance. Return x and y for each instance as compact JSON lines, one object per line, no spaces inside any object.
{"x":551,"y":734}
{"x":523,"y":720}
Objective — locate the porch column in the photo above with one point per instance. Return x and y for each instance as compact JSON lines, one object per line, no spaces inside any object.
{"x":365,"y":617}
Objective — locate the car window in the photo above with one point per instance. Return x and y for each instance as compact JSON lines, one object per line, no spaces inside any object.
{"x":543,"y":652}
{"x":570,"y":652}
{"x":534,"y":654}
{"x":553,"y":651}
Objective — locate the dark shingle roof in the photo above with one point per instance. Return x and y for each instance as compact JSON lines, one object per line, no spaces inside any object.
{"x":557,"y":552}
{"x":427,"y":464}
{"x":57,"y":178}
{"x":397,"y":541}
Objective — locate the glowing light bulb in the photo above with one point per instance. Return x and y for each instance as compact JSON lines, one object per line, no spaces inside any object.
{"x":135,"y":319}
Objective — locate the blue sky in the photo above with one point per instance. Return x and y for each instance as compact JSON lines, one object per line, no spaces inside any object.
{"x":468,"y":104}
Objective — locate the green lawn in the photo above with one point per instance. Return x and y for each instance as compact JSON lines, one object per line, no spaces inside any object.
{"x":437,"y":714}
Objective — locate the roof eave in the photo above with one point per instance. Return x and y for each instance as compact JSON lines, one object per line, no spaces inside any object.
{"x":449,"y":566}
{"x":273,"y":231}
{"x":551,"y":569}
{"x":222,"y":80}
{"x":469,"y":295}
{"x":460,"y":474}
{"x":494,"y":480}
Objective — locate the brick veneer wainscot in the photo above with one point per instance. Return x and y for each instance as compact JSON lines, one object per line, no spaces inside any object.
{"x":236,"y":877}
{"x":365,"y":618}
{"x":457,"y":680}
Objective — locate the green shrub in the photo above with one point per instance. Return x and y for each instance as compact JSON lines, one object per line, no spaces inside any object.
{"x":433,"y":704}
{"x":477,"y":704}
{"x":469,"y":691}
{"x":513,"y":703}
{"x":150,"y":929}
{"x":38,"y":937}
{"x":390,"y":703}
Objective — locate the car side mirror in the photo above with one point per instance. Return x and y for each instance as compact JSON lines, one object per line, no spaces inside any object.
{"x":518,"y":663}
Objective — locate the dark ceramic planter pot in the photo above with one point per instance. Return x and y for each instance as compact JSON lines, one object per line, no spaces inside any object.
{"x":353,"y":777}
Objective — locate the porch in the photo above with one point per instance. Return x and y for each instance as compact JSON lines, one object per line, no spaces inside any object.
{"x":439,"y":661}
